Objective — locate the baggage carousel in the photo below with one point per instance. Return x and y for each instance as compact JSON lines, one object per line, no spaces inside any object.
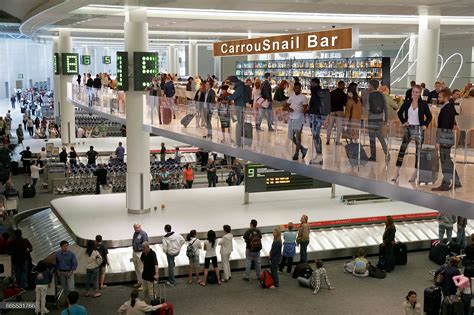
{"x":338,"y":230}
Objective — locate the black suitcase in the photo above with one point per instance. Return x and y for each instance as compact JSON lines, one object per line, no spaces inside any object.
{"x":187,"y":119}
{"x":432,"y":300}
{"x":352,"y":151}
{"x":452,"y":305}
{"x":248,"y":133}
{"x":454,"y":248}
{"x":28,"y":191}
{"x":400,"y":253}
{"x":429,"y":165}
{"x":302,"y":270}
{"x":438,"y":253}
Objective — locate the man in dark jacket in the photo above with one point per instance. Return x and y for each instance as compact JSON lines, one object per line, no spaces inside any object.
{"x":338,"y":101}
{"x":376,"y":106}
{"x":169,"y":92}
{"x":408,"y":92}
{"x":19,"y":250}
{"x":97,"y":83}
{"x":266,"y":93}
{"x":445,"y":140}
{"x":451,"y":270}
{"x":316,"y":120}
{"x":101,"y":174}
{"x":239,"y":106}
{"x":433,"y":96}
{"x":209,"y":100}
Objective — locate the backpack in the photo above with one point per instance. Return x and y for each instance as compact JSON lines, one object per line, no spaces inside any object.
{"x":376,"y":272}
{"x":376,"y":102}
{"x":190,"y":250}
{"x":266,"y":280}
{"x":255,"y":242}
{"x":247,"y":94}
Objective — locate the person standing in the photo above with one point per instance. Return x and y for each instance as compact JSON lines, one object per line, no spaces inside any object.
{"x":35,"y":172}
{"x":188,"y":176}
{"x":104,"y":252}
{"x":211,"y":173}
{"x":192,"y":251}
{"x":303,"y":238}
{"x":388,"y":239}
{"x":226,"y":244}
{"x":338,"y":101}
{"x":74,"y":308}
{"x":120,"y":153}
{"x":164,"y":178}
{"x":26,"y":156}
{"x":408,"y":93}
{"x":275,"y":257}
{"x":63,"y":156}
{"x":253,"y":241}
{"x":415,"y":116}
{"x":446,"y":222}
{"x":445,"y":139}
{"x":171,"y":244}
{"x":239,"y":107}
{"x":211,"y":257}
{"x":169,"y":94}
{"x":449,"y":272}
{"x":461,"y":232}
{"x":139,"y":237}
{"x":30,"y":124}
{"x":92,"y":260}
{"x":162,"y":152}
{"x":376,"y":106}
{"x":43,"y":278}
{"x":433,"y":96}
{"x":316,"y":120}
{"x":151,"y":271}
{"x":210,"y":101}
{"x":13,"y":101}
{"x":66,"y":265}
{"x":289,"y":249}
{"x":297,"y":105}
{"x":73,"y":157}
{"x":20,"y":135}
{"x":91,"y":156}
{"x":237,"y":168}
{"x":266,"y":93}
{"x":101,"y":173}
{"x":19,"y":249}
{"x":353,"y":113}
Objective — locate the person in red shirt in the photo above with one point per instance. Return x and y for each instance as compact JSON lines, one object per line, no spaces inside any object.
{"x":188,"y":176}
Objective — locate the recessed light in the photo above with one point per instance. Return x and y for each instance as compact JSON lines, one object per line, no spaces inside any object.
{"x":158,"y":25}
{"x":310,"y":28}
{"x":298,"y":29}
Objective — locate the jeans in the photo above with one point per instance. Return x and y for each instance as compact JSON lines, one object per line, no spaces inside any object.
{"x":35,"y":180}
{"x":412,"y":132}
{"x":267,"y":113}
{"x":304,"y":251}
{"x":447,"y":166}
{"x":316,"y":122}
{"x":40,"y":302}
{"x":302,"y":281}
{"x":337,"y":118}
{"x":171,"y":265}
{"x":21,"y":274}
{"x":67,"y":282}
{"x":226,"y":265}
{"x":375,"y":130}
{"x":208,"y":116}
{"x":288,"y":262}
{"x":448,"y":230}
{"x":138,"y":265}
{"x":249,"y":258}
{"x":461,"y":237}
{"x":211,"y":179}
{"x":148,"y":291}
{"x":92,"y":277}
{"x":274,"y":271}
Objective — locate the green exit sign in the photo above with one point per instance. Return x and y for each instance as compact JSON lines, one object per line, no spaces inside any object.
{"x":86,"y":60}
{"x":107,"y":60}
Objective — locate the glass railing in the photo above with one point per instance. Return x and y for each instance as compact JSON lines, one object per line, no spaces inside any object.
{"x":224,"y":123}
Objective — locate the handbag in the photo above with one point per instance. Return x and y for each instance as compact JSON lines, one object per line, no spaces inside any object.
{"x":439,"y":279}
{"x":263,"y":103}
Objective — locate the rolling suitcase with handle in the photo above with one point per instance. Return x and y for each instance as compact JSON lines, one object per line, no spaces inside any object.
{"x":168,"y":310}
{"x":352,"y":151}
{"x":166,"y":115}
{"x":187,"y":119}
{"x":438,"y":252}
{"x":432,"y":300}
{"x":429,"y":165}
{"x":400,"y":253}
{"x":452,"y":305}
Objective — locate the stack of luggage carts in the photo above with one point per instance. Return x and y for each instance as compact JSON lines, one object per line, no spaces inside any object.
{"x":173,"y":167}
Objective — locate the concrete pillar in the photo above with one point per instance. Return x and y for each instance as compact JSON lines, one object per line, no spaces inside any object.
{"x":193,"y":58}
{"x":57,"y":84}
{"x":138,"y":141}
{"x":171,"y":59}
{"x":428,"y":48}
{"x":218,"y":68}
{"x":412,"y":50}
{"x":68,"y":124}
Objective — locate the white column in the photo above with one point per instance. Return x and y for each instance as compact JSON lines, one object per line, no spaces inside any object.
{"x":138,"y":141}
{"x":68,"y":125}
{"x":428,"y":48}
{"x":193,"y":58}
{"x":412,"y":51}
{"x":218,"y":68}
{"x":171,"y":59}
{"x":252,"y":57}
{"x":57,"y":84}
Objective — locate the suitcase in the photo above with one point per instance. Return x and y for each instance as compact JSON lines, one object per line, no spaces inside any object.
{"x":168,"y":310}
{"x":438,"y":253}
{"x":187,"y":119}
{"x":302,"y":270}
{"x":400,"y":254}
{"x":454,"y":248}
{"x":352,"y":152}
{"x":248,"y":133}
{"x":266,"y":280}
{"x":166,"y":115}
{"x":429,"y":165}
{"x":432,"y":300}
{"x":452,"y":305}
{"x":28,"y":191}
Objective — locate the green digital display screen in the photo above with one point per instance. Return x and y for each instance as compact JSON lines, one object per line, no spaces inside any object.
{"x":122,"y":70}
{"x":85,"y":60}
{"x":106,"y":60}
{"x":260,"y":178}
{"x":145,"y":68}
{"x":70,"y":63}
{"x":56,"y":63}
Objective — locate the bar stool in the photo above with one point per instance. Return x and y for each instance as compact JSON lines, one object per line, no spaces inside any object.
{"x":465,"y":123}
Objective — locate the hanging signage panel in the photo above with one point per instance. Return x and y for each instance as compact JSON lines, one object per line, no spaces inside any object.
{"x":56,"y":63}
{"x":70,"y":63}
{"x":86,"y":60}
{"x":145,"y":68}
{"x":106,"y":60}
{"x":122,"y":70}
{"x":312,"y":41}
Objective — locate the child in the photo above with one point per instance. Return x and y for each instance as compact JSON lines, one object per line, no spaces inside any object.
{"x":361,"y":264}
{"x":275,"y":257}
{"x":289,"y":249}
{"x":43,"y":279}
{"x":315,"y":281}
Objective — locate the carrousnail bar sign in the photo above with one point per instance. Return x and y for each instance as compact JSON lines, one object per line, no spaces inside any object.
{"x":334,"y":39}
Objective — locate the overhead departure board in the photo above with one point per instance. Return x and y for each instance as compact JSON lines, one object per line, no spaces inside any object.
{"x":70,"y":63}
{"x":260,"y":178}
{"x":85,"y":60}
{"x":107,"y":60}
{"x":145,"y":68}
{"x":122,"y":70}
{"x":56,"y":63}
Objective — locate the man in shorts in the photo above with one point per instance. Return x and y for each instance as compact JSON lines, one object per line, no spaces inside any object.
{"x":297,"y":105}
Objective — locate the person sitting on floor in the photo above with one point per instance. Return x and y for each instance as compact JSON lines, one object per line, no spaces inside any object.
{"x":314,"y":282}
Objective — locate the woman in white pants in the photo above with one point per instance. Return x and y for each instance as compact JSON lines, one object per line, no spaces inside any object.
{"x":226,"y":250}
{"x":43,"y":278}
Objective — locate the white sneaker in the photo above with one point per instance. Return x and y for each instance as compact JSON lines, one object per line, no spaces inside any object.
{"x":169,"y":284}
{"x":317,"y":160}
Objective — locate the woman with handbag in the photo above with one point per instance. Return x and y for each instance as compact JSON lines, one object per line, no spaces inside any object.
{"x":224,"y":112}
{"x":93,"y":262}
{"x":353,"y":114}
